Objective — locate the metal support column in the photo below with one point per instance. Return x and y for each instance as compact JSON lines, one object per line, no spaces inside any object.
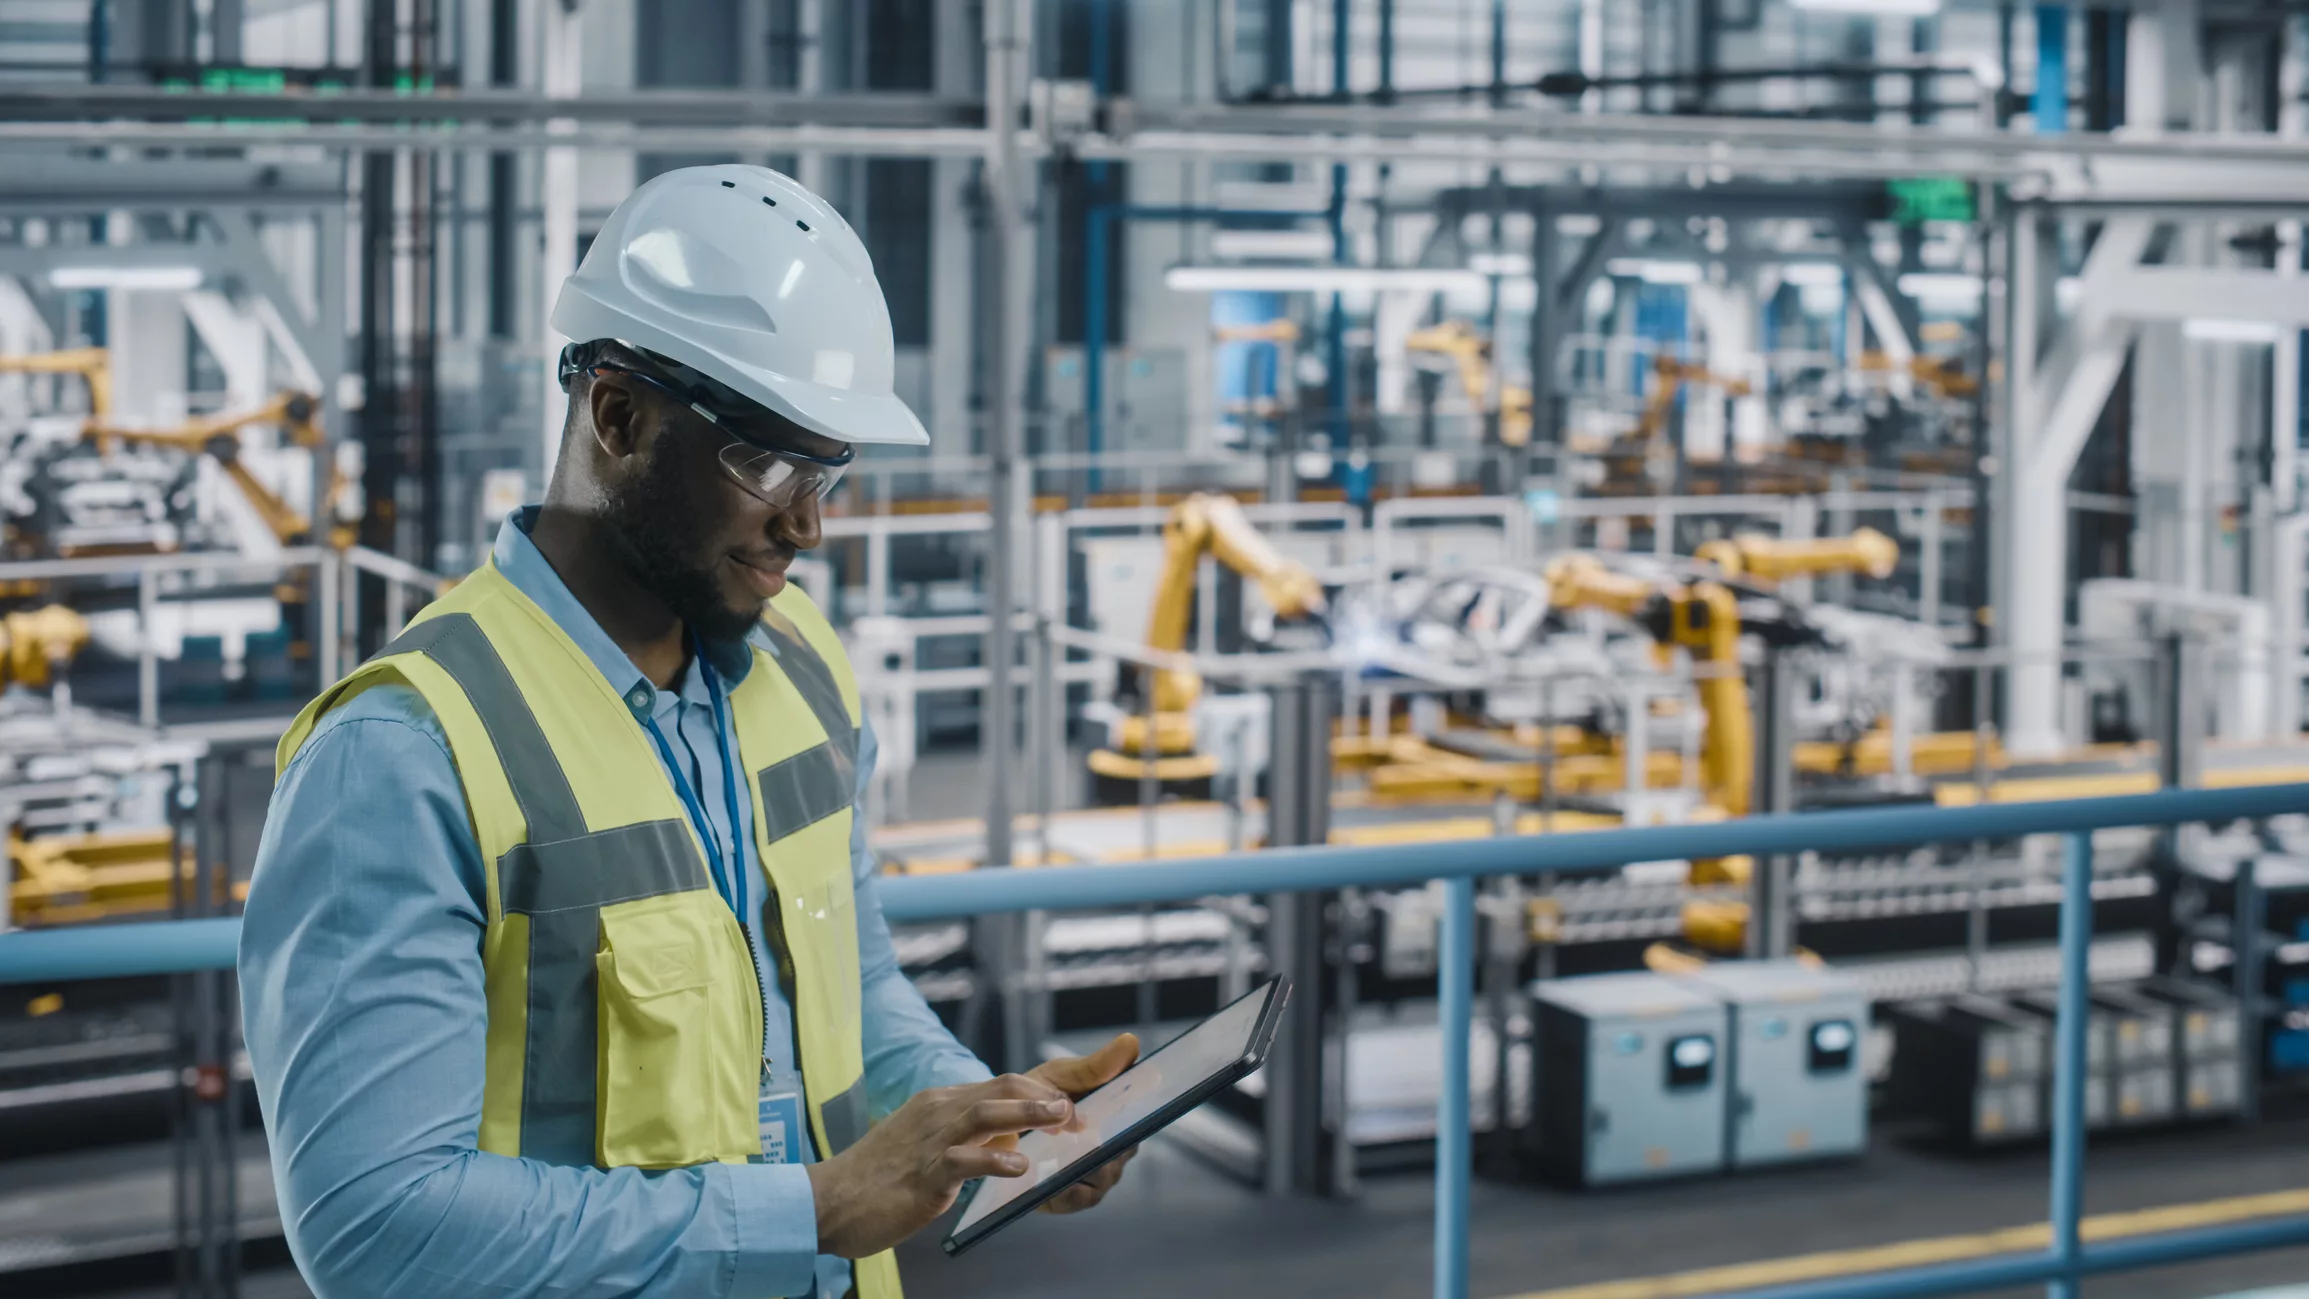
{"x":1001,"y":939}
{"x":1771,"y":911}
{"x":2182,"y":710}
{"x":2068,"y":1114}
{"x":2248,"y":951}
{"x":1454,"y":1119}
{"x":2050,"y":102}
{"x":1300,"y":1157}
{"x":1006,"y":37}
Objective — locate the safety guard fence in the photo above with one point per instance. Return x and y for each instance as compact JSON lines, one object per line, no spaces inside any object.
{"x":176,"y":947}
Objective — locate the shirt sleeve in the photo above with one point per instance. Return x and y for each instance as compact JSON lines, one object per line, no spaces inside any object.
{"x":365,"y":1018}
{"x":908,"y":1049}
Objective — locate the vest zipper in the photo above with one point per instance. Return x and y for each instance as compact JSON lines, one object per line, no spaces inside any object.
{"x":774,"y":924}
{"x":761,"y":994}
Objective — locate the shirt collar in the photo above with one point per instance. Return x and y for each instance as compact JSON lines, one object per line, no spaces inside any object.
{"x":525,"y":566}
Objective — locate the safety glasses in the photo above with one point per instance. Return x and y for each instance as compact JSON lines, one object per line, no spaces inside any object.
{"x":779,"y":476}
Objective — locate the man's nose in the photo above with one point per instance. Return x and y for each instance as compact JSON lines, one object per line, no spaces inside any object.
{"x":799,"y":524}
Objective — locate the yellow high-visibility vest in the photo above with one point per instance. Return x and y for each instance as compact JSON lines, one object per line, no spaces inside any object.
{"x":625,"y":1018}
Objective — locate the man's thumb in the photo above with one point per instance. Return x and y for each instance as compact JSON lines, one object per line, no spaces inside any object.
{"x":1099,"y":1067}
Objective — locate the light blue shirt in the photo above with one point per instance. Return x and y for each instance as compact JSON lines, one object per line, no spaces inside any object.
{"x":365,"y":1016}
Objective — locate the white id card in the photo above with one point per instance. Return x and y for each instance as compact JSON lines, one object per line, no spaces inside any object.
{"x":781,"y":1120}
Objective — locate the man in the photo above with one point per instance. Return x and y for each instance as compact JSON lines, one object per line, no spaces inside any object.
{"x":563,"y":969}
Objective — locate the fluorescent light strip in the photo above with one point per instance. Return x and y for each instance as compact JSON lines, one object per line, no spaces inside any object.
{"x":156,"y":278}
{"x":1941,"y":286}
{"x":1651,"y":271}
{"x":1321,"y":279}
{"x":1877,"y":8}
{"x":1826,"y":275}
{"x":2230,"y":331}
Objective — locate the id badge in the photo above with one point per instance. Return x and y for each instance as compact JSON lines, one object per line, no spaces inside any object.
{"x":781,"y":1122}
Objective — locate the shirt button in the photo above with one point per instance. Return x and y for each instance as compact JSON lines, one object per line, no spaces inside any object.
{"x":639,"y":698}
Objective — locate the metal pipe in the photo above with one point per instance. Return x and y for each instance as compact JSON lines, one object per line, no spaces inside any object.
{"x":325,"y":597}
{"x":2050,"y":102}
{"x":1005,"y":50}
{"x":1094,"y":295}
{"x":2247,"y":954}
{"x":100,"y":951}
{"x":1454,"y":1120}
{"x":1335,"y":322}
{"x":2069,"y":1062}
{"x":147,"y":653}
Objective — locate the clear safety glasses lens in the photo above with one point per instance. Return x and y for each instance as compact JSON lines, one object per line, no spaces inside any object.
{"x":777,"y":478}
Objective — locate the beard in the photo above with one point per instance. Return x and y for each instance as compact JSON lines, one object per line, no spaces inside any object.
{"x":661,"y":536}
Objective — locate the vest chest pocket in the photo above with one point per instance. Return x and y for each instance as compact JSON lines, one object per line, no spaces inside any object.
{"x":680,"y":1034}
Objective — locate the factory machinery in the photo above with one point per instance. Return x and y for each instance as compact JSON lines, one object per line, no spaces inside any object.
{"x":1575,"y":690}
{"x":1598,"y":688}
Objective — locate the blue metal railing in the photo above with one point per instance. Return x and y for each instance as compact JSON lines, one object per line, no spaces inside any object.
{"x":209,"y":944}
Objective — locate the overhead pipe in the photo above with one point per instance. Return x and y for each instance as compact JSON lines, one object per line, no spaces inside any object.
{"x":1335,"y":326}
{"x":2050,"y":101}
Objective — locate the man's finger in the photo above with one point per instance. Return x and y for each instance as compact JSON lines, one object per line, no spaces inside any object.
{"x":991,"y":1117}
{"x":1014,"y":1087}
{"x":1091,"y":1189}
{"x":962,"y":1163}
{"x":1082,"y":1073}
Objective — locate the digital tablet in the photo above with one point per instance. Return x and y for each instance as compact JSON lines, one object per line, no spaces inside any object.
{"x":1188,"y":1070}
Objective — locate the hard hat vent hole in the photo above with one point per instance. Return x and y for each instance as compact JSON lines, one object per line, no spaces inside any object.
{"x":803,"y":226}
{"x":769,"y":201}
{"x":729,"y":184}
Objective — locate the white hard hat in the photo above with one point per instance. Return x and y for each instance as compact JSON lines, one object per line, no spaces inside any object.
{"x":754,"y":281}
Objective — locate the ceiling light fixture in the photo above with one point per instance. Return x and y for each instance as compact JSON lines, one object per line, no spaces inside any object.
{"x":1810,"y":275}
{"x":1321,"y":279}
{"x":157,"y":278}
{"x":1651,"y":271}
{"x":1941,"y":286}
{"x":2229,"y":331}
{"x":1875,"y":8}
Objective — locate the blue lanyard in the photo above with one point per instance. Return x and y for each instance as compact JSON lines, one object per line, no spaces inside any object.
{"x":729,"y":877}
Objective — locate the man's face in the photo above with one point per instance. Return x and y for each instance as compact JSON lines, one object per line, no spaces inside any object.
{"x":692,"y":535}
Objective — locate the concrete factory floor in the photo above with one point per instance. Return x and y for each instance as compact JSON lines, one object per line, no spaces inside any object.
{"x":1177,"y":1228}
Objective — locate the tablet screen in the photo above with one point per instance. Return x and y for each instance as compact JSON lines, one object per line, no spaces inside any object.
{"x":1161,"y":1078}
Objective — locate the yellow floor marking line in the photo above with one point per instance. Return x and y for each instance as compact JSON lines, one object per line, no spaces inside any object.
{"x":1936,"y":1249}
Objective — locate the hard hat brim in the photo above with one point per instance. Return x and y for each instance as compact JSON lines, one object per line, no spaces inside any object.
{"x":845,"y":415}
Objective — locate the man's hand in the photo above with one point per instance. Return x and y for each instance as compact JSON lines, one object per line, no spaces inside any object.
{"x":908,"y":1168}
{"x":1075,"y":1076}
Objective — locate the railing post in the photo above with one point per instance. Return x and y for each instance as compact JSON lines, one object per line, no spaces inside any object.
{"x":2070,"y":1065}
{"x":147,"y":651}
{"x":326,"y":598}
{"x":1454,"y":1122}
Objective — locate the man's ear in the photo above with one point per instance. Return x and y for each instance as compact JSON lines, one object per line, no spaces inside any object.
{"x":616,"y":415}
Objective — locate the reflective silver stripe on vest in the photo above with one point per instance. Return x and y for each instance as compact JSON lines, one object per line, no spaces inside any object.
{"x":805,"y":789}
{"x":845,"y":1117}
{"x":458,"y":644}
{"x":814,"y":679}
{"x":560,"y":879}
{"x":562,"y":887}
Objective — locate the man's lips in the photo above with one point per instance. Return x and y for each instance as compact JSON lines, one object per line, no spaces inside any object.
{"x":766,"y":573}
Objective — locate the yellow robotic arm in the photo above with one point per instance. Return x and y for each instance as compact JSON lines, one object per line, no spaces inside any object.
{"x":1202,"y":524}
{"x":1582,"y":582}
{"x":1672,"y":375}
{"x":218,"y":437}
{"x":34,"y":644}
{"x":1773,"y":558}
{"x":1702,"y":618}
{"x":1208,"y":523}
{"x":92,"y":364}
{"x":1470,"y":353}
